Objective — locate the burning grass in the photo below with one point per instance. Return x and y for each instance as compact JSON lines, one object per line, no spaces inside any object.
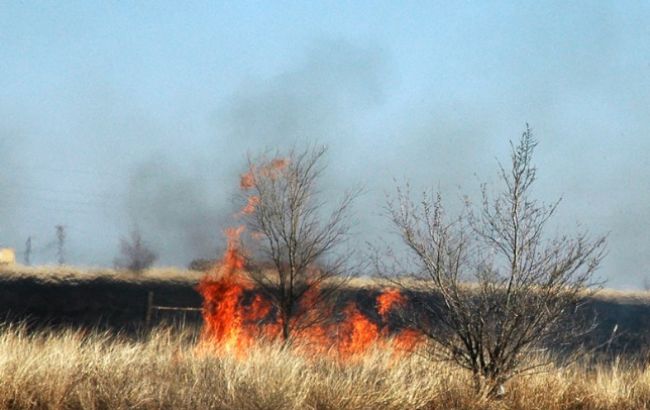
{"x":236,"y":316}
{"x":81,"y":370}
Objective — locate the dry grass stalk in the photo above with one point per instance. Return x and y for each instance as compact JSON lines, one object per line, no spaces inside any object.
{"x":80,"y":370}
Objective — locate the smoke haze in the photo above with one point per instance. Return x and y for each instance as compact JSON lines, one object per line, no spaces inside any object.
{"x":130,"y":118}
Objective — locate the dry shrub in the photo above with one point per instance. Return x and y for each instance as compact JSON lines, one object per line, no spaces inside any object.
{"x":135,"y":254}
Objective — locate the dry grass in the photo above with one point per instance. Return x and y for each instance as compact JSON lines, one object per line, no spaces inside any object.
{"x":63,"y":274}
{"x":77,"y":370}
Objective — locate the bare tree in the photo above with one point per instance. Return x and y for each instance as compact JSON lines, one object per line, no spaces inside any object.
{"x":303,"y":243}
{"x":135,"y":255}
{"x":496,"y":288}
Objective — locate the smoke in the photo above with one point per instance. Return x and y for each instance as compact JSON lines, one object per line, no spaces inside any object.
{"x":178,"y":213}
{"x":317,"y":100}
{"x":182,"y":209}
{"x":433,"y":101}
{"x":9,"y":196}
{"x":336,"y":94}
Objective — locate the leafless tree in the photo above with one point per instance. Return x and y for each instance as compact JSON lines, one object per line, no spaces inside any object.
{"x":135,"y":255}
{"x":303,"y":243}
{"x":495,"y":287}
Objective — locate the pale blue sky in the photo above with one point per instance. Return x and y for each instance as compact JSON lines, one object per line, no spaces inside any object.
{"x":114,"y":113}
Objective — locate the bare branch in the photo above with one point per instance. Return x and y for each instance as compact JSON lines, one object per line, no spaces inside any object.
{"x":303,"y":243}
{"x":135,"y":255}
{"x":527,"y":290}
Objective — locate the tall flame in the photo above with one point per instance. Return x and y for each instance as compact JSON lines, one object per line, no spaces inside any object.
{"x":237,"y":315}
{"x":222,"y":291}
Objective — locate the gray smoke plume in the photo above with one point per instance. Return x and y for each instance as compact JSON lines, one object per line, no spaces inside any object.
{"x":178,"y":213}
{"x":439,"y":119}
{"x":182,"y":210}
{"x":318,"y":100}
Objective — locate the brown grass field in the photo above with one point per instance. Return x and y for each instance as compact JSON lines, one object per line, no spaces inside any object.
{"x":82,"y":366}
{"x":82,"y":370}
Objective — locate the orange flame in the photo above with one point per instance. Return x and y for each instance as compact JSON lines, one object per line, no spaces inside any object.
{"x":387,"y":300}
{"x":407,"y":340}
{"x":251,"y":204}
{"x":357,"y":333}
{"x":233,"y":259}
{"x":236,"y":315}
{"x":222,"y":291}
{"x":247,"y":180}
{"x":278,"y":163}
{"x":271,"y":169}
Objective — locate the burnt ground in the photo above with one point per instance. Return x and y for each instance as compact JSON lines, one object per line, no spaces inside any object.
{"x":118,"y":304}
{"x":103,"y":303}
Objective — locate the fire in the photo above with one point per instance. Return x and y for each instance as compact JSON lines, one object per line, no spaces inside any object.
{"x":237,"y":315}
{"x":253,"y":200}
{"x":387,"y":300}
{"x":247,"y":180}
{"x":225,"y":320}
{"x":407,"y":340}
{"x":233,"y":260}
{"x":356,"y":334}
{"x":271,"y":169}
{"x":278,"y":163}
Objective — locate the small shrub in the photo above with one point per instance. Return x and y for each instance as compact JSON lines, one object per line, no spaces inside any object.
{"x":135,"y":255}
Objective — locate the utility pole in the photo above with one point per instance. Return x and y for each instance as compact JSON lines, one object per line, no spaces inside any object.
{"x":60,"y":237}
{"x":28,"y":251}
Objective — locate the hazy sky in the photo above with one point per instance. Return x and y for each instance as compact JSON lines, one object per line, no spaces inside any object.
{"x":120,"y":114}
